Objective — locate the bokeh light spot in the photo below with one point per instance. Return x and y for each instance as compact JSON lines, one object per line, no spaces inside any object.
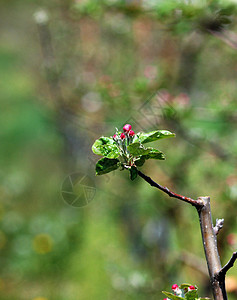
{"x":42,"y":243}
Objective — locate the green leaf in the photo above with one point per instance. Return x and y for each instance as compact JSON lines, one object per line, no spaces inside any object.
{"x":133,"y":173}
{"x":106,"y":146}
{"x":191,"y":295}
{"x":172,"y":296}
{"x":106,"y":165}
{"x":137,"y":149}
{"x":204,"y":298}
{"x":140,"y":161}
{"x":154,"y":154}
{"x":152,"y":136}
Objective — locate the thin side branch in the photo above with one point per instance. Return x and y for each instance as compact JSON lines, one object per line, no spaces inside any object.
{"x":229,"y":265}
{"x":196,"y":203}
{"x":218,"y":226}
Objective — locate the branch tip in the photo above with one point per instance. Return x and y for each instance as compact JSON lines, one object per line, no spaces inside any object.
{"x":218,"y":226}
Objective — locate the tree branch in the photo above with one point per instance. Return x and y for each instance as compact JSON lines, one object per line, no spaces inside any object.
{"x":216,"y":273}
{"x":196,"y":203}
{"x":229,"y":265}
{"x":211,"y":251}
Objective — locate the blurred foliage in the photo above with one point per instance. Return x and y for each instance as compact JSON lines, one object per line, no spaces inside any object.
{"x":74,"y":70}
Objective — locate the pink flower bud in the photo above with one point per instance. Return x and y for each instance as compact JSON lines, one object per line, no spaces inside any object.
{"x":175,"y":286}
{"x":127,"y":127}
{"x":122,"y":136}
{"x":191,"y":287}
{"x":165,"y":299}
{"x":131,"y":133}
{"x":114,"y":136}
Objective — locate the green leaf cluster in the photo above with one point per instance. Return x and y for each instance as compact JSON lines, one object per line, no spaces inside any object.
{"x":128,"y":153}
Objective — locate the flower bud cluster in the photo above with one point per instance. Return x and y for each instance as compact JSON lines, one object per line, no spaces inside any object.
{"x":180,"y":292}
{"x":127,"y":131}
{"x":123,"y":140}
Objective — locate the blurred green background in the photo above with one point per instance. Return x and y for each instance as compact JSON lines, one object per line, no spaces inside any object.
{"x":71,"y":71}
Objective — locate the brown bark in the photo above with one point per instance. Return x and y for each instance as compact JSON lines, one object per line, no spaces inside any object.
{"x":210,"y":248}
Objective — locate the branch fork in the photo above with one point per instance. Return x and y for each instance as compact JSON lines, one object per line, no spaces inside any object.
{"x":230,"y":264}
{"x":209,"y":236}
